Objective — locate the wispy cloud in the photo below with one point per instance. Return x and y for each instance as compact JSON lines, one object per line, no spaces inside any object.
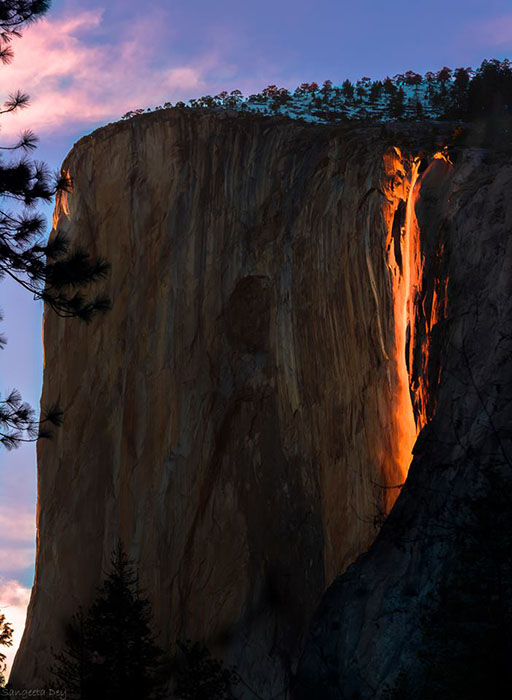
{"x":17,"y":552}
{"x":493,"y":33}
{"x":16,"y":557}
{"x":76,"y":75}
{"x":17,"y":525}
{"x":17,"y":539}
{"x":14,"y":600}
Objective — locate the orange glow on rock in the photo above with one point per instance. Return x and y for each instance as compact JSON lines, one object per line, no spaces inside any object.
{"x":44,"y":349}
{"x":442,"y":155}
{"x":415,"y":315}
{"x":418,"y":388}
{"x":61,"y":201}
{"x":406,"y":276}
{"x":422,"y":390}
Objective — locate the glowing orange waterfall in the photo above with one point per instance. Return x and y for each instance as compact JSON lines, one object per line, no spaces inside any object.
{"x":413,"y":272}
{"x":406,"y":276}
{"x":416,"y":312}
{"x":433,"y":308}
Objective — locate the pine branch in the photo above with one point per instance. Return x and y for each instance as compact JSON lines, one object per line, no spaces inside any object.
{"x":16,"y":100}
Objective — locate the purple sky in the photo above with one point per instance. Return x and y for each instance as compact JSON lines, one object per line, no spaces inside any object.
{"x":89,"y":62}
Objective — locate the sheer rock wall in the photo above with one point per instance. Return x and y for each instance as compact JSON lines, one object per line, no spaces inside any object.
{"x":368,"y":626}
{"x":231,"y":418}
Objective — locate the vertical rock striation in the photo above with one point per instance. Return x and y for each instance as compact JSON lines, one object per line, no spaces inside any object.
{"x":367,"y":628}
{"x":233,"y":417}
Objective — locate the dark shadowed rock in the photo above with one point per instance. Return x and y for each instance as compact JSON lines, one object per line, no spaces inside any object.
{"x":368,"y":626}
{"x":234,"y":419}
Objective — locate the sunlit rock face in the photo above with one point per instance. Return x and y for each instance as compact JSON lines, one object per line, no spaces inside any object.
{"x":234,"y":417}
{"x":368,"y":626}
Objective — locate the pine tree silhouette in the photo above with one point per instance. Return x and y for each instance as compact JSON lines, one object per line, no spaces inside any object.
{"x":72,"y":668}
{"x":52,"y":271}
{"x":111,"y":652}
{"x":5,"y":640}
{"x":199,"y":676}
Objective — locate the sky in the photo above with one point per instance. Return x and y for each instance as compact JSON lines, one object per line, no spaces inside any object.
{"x":88,"y":62}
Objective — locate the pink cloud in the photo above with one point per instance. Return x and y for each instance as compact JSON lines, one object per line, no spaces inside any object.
{"x":17,"y":525}
{"x":14,"y":600}
{"x":75,"y":78}
{"x":17,"y":552}
{"x":15,"y":558}
{"x":495,"y":32}
{"x":17,"y":539}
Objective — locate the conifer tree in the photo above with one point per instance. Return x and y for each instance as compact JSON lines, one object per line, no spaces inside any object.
{"x":111,"y":651}
{"x":5,"y":640}
{"x":200,"y":676}
{"x":73,"y":667}
{"x":347,"y":89}
{"x":397,"y":104}
{"x":51,"y":271}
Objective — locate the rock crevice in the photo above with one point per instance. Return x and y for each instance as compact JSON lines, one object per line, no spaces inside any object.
{"x":232,"y":418}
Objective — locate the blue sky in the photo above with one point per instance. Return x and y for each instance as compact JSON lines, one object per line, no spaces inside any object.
{"x":89,"y":62}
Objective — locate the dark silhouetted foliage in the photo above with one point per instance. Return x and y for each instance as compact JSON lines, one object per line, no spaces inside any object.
{"x":14,"y":14}
{"x":51,"y":271}
{"x":199,"y":676}
{"x":461,"y":94}
{"x":18,"y":422}
{"x":397,"y":104}
{"x":490,"y":91}
{"x":111,"y":652}
{"x":6,"y":641}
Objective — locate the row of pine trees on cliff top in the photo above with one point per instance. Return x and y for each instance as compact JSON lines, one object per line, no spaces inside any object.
{"x":460,"y":94}
{"x":110,"y":650}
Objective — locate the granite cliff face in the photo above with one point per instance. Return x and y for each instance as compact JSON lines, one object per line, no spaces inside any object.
{"x":242,"y":417}
{"x":368,"y":626}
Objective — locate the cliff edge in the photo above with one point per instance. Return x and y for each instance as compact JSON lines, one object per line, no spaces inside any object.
{"x":243,"y":417}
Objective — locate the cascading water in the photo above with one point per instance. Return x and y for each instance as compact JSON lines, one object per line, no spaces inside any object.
{"x":404,"y":262}
{"x":414,"y":320}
